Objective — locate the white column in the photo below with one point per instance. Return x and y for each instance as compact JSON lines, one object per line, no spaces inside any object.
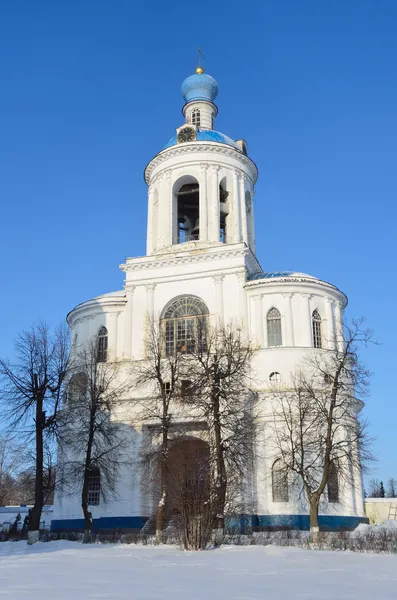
{"x":308,"y":335}
{"x":150,"y":215}
{"x":150,"y":287}
{"x":219,"y":296}
{"x":121,"y":333}
{"x":203,"y":199}
{"x":251,"y":225}
{"x":258,"y":319}
{"x":128,"y":322}
{"x":213,"y":206}
{"x":243,"y":210}
{"x":339,"y":326}
{"x":168,"y":206}
{"x":113,"y":334}
{"x":236,"y":208}
{"x":289,"y":323}
{"x":242,"y":279}
{"x":330,"y":337}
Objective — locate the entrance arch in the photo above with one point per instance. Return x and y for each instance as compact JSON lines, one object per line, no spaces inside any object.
{"x":188,"y":477}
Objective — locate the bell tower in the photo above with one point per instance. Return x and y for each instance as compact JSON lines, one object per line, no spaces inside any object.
{"x":201,"y":184}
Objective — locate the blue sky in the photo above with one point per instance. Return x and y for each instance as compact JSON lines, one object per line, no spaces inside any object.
{"x":90,"y":92}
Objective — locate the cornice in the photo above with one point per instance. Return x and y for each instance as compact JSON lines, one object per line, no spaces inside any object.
{"x":282,"y":281}
{"x":198,"y":148}
{"x":187,"y":259}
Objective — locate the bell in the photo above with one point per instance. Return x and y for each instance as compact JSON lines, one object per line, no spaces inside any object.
{"x":196,"y":230}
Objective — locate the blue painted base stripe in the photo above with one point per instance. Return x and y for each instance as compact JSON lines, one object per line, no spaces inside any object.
{"x":98,"y":524}
{"x":302,"y":522}
{"x":240,"y":523}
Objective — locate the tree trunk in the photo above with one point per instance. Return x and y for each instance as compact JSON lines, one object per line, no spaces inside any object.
{"x":84,"y":505}
{"x":160,"y":513}
{"x":35,"y":515}
{"x":314,"y":528}
{"x":221,"y":479}
{"x":86,"y":479}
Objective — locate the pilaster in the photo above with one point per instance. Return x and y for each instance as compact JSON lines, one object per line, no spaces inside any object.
{"x":203,"y":199}
{"x":243,"y":209}
{"x":218,"y":279}
{"x":236,"y":207}
{"x":330,"y":329}
{"x":213,"y":204}
{"x":339,"y":326}
{"x":289,"y":323}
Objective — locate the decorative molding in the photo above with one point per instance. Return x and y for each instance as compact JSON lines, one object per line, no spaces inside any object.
{"x":242,"y":277}
{"x":218,"y":278}
{"x":198,"y":148}
{"x":150,"y":287}
{"x":182,"y":260}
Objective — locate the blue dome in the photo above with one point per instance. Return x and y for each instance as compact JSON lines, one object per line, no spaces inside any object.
{"x":208,"y":135}
{"x":199,"y":87}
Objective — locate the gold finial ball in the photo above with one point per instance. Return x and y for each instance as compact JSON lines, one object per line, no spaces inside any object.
{"x":199,"y":70}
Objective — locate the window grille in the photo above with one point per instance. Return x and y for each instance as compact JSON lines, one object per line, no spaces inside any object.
{"x":333,"y":484}
{"x":279,"y":482}
{"x":316,"y":322}
{"x":274,"y":328}
{"x":94,"y":487}
{"x":102,"y":354}
{"x":185,"y":326}
{"x":196,"y":117}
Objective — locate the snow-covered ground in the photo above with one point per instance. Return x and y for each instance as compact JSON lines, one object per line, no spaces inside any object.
{"x":72,"y":571}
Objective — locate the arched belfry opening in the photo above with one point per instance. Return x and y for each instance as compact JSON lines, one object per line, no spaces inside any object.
{"x":223,"y":211}
{"x":187,"y":209}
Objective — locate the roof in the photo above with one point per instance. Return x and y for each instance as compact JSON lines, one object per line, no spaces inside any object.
{"x":275,"y":274}
{"x":208,"y":135}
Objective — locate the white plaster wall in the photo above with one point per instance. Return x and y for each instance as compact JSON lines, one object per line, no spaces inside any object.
{"x":219,"y":279}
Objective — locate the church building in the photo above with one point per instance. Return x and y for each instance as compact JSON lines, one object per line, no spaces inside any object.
{"x":201,"y":260}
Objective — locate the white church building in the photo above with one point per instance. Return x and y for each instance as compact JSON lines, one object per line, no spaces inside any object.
{"x":201,"y":259}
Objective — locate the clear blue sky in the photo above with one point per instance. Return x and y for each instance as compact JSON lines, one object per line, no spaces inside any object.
{"x":90,"y":92}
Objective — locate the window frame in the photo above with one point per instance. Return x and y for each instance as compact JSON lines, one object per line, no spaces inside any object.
{"x":316,"y":329}
{"x":280,"y":491}
{"x":94,"y":487}
{"x":184,"y":330}
{"x":196,"y":117}
{"x":333,"y":484}
{"x":102,"y":344}
{"x":273,"y":328}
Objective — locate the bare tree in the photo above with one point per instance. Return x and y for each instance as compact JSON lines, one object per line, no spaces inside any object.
{"x":91,"y":444}
{"x":189,"y":488}
{"x":392,"y":488}
{"x":219,"y":372}
{"x":31,"y":391}
{"x":159,"y":376}
{"x":12,"y":459}
{"x":317,"y":429}
{"x":374,"y":488}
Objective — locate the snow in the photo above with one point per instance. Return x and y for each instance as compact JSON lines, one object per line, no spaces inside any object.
{"x":74,"y":571}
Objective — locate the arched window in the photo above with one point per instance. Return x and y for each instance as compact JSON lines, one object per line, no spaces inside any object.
{"x":185,"y":325}
{"x":274,"y":327}
{"x":316,"y":323}
{"x":279,"y":482}
{"x":333,"y":483}
{"x":102,"y":348}
{"x":94,"y":486}
{"x":196,"y":117}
